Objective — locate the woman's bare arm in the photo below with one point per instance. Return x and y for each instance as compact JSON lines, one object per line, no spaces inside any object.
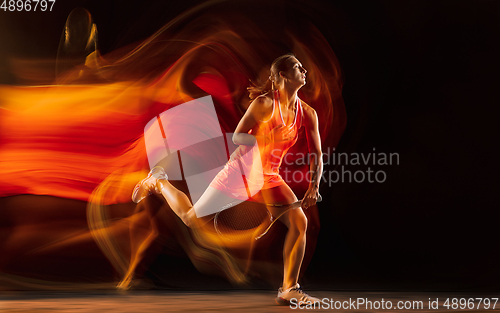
{"x":316,"y":158}
{"x":258,"y":110}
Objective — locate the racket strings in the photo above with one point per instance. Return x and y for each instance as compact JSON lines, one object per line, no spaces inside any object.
{"x":243,"y":221}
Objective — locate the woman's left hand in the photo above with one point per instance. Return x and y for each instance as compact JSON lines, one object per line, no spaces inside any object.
{"x":310,"y":197}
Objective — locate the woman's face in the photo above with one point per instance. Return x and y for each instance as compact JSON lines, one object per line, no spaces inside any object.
{"x":296,"y":73}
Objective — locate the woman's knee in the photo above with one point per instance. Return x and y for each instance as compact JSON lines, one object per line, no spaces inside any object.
{"x":189,"y":218}
{"x":297,"y":221}
{"x":185,"y":217}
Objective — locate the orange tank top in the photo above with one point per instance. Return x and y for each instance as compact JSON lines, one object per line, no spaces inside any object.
{"x":272,"y":154}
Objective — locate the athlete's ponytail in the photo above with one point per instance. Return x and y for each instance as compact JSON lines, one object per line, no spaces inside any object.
{"x":274,"y":79}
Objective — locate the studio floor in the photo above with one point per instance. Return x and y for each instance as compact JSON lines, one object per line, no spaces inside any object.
{"x":239,"y":301}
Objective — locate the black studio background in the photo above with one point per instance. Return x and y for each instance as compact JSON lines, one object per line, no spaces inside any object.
{"x":421,"y":80}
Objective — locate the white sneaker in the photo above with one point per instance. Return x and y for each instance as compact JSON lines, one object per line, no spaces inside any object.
{"x":149,"y":184}
{"x":285,"y":296}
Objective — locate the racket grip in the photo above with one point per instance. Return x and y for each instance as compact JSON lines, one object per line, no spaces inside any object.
{"x":320,"y":198}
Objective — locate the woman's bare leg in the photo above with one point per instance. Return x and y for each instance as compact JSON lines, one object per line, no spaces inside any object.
{"x":197,"y":215}
{"x":295,"y":240}
{"x":178,"y":202}
{"x":295,"y":245}
{"x":143,"y":235}
{"x":176,"y":199}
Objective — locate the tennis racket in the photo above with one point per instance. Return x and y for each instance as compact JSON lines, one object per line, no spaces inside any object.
{"x":250,"y":220}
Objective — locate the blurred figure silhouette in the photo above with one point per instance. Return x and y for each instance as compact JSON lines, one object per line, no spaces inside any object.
{"x":77,"y":56}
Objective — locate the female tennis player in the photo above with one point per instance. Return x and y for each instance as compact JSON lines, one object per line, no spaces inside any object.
{"x":271,"y":123}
